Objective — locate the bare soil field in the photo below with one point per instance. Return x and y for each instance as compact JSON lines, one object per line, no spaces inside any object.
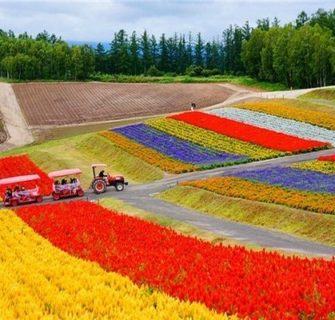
{"x":52,"y":104}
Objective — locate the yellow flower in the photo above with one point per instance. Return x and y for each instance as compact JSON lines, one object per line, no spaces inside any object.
{"x":318,"y":115}
{"x":39,"y":281}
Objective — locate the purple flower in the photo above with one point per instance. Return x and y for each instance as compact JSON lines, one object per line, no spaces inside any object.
{"x":292,"y":178}
{"x":177,"y":148}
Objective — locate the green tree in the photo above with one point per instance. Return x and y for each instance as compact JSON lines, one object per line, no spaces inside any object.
{"x":146,"y":52}
{"x":251,"y":52}
{"x":164,"y":58}
{"x":100,"y":58}
{"x":135,"y":66}
{"x":198,"y":51}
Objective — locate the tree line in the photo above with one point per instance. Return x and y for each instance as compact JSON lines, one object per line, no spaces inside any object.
{"x":298,"y":54}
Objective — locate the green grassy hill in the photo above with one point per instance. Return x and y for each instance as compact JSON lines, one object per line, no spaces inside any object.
{"x":83,"y":150}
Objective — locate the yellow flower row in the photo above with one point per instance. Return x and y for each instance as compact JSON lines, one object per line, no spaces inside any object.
{"x":239,"y":188}
{"x":148,"y":155}
{"x":210,"y":139}
{"x":293,"y":109}
{"x":39,"y":281}
{"x":327,"y":167}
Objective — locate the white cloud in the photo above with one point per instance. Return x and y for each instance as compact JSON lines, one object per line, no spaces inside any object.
{"x":93,"y":20}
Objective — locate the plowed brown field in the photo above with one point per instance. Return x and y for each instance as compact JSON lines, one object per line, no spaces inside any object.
{"x":72,"y":103}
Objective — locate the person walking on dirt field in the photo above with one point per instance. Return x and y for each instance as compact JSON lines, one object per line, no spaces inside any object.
{"x":193,"y":106}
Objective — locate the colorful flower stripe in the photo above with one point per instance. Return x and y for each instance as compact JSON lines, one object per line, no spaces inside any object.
{"x":210,"y":139}
{"x":330,"y":158}
{"x":177,"y":148}
{"x":228,"y":279}
{"x":288,"y":126}
{"x":287,"y":177}
{"x":22,"y":165}
{"x":326,"y":167}
{"x":148,"y":155}
{"x":39,"y":281}
{"x":296,"y":110}
{"x":256,"y":191}
{"x":249,"y":133}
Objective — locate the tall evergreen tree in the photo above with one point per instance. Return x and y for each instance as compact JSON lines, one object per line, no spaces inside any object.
{"x":164,"y":58}
{"x":134,"y":54}
{"x":198,"y":51}
{"x":146,"y":52}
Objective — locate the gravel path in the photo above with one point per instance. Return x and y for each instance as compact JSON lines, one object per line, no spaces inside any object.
{"x":142,"y":196}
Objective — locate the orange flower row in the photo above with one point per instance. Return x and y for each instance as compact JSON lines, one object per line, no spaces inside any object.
{"x":148,"y":155}
{"x":239,"y":188}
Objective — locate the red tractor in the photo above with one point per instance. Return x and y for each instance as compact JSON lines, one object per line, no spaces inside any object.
{"x":102,"y":180}
{"x":16,"y":194}
{"x":66,"y":184}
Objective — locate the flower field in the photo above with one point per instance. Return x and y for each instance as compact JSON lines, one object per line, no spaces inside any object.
{"x":147,"y":154}
{"x":287,"y":177}
{"x":249,"y":133}
{"x":39,"y":281}
{"x":228,"y":279}
{"x":323,"y":166}
{"x":211,"y":139}
{"x":288,"y":126}
{"x":256,"y":191}
{"x":22,"y":165}
{"x":176,"y":148}
{"x":296,"y":110}
{"x":196,"y":140}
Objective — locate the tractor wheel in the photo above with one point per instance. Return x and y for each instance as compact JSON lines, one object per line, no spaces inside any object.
{"x":14,"y":203}
{"x":99,"y":186}
{"x":39,"y":199}
{"x":119,"y":186}
{"x":55,"y":196}
{"x":80,"y":193}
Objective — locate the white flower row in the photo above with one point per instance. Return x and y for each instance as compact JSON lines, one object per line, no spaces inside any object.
{"x":288,"y":126}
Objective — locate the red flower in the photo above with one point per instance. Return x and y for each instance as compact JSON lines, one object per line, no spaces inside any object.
{"x":22,"y":165}
{"x":228,"y":279}
{"x":246,"y":132}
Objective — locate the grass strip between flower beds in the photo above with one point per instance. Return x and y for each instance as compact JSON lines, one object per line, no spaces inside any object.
{"x":245,"y":189}
{"x":151,"y":156}
{"x":210,"y":139}
{"x":306,"y":224}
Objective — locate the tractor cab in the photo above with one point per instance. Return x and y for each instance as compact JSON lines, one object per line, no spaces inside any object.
{"x":66,"y":184}
{"x":16,"y":192}
{"x":102,"y":180}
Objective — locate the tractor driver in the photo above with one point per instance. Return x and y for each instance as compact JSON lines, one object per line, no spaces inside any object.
{"x":102,"y":174}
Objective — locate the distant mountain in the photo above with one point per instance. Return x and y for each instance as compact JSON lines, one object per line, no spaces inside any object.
{"x":90,"y":43}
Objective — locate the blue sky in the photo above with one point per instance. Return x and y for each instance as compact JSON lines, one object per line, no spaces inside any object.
{"x":98,"y":20}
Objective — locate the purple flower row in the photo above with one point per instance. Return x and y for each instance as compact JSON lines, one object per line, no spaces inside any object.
{"x":177,"y":148}
{"x":292,"y":178}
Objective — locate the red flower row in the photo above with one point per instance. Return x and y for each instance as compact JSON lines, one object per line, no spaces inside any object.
{"x":246,"y":132}
{"x":330,"y":158}
{"x":228,"y":279}
{"x":22,"y":165}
